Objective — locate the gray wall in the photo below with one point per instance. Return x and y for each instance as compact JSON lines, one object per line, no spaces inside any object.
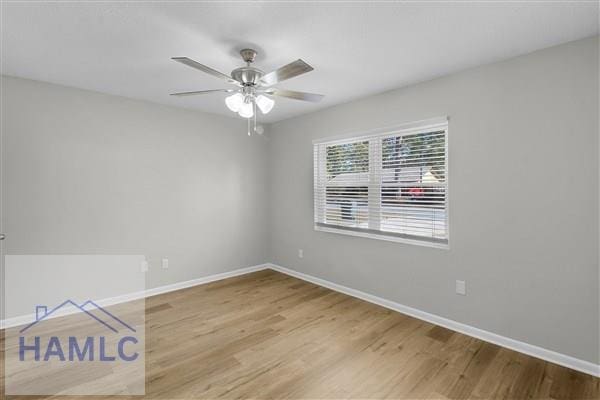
{"x":87,"y":173}
{"x":523,"y":184}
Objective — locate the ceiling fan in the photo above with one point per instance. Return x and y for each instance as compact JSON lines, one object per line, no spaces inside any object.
{"x":253,"y":86}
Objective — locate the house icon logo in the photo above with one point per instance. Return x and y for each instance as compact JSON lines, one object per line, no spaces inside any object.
{"x":41,"y":313}
{"x":112,"y":345}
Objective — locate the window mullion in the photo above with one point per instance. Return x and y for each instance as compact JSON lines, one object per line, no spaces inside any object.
{"x":374,"y":196}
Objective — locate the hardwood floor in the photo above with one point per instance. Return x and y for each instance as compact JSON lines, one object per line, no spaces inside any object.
{"x":266,"y":335}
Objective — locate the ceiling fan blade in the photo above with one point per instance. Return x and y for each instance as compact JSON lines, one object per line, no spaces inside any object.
{"x":196,"y":65}
{"x":292,"y":94}
{"x":202,"y":92}
{"x":288,"y":71}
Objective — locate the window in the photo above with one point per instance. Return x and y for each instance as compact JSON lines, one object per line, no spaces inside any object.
{"x":389,"y":185}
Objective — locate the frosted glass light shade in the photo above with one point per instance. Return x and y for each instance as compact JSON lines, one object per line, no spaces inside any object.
{"x":246,"y":110}
{"x":264,"y":103}
{"x":234,"y":102}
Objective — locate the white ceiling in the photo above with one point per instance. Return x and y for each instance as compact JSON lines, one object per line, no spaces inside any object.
{"x":357,"y":49}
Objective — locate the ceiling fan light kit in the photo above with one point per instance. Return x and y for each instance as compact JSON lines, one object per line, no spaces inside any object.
{"x":247,"y":109}
{"x":253,"y":85}
{"x":234,"y":102}
{"x":264,"y":103}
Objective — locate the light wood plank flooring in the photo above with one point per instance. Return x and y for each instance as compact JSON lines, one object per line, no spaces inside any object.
{"x":266,"y":335}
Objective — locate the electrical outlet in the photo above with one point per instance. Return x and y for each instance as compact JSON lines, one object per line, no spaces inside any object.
{"x":300,"y":253}
{"x":461,"y":288}
{"x":144,"y":266}
{"x":165,"y":263}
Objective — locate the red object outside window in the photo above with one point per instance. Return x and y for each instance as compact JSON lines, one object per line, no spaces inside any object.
{"x":415,"y":192}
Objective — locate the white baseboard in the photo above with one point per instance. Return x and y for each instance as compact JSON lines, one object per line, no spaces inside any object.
{"x":203,"y":280}
{"x":516,"y":345}
{"x":67,"y":310}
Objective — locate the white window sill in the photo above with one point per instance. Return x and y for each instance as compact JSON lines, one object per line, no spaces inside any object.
{"x":389,"y":238}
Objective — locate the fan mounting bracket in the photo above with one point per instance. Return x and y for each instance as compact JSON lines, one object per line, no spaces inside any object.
{"x":248,"y":55}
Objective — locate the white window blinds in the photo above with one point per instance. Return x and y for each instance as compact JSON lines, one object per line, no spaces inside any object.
{"x":391,"y":185}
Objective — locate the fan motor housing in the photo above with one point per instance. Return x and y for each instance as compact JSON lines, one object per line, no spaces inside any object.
{"x":247,"y":75}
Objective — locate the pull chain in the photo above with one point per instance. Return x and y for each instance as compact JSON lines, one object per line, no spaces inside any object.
{"x":253,"y":117}
{"x":254,"y":105}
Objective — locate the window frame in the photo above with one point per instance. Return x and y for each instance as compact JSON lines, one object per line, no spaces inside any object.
{"x":319,"y":161}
